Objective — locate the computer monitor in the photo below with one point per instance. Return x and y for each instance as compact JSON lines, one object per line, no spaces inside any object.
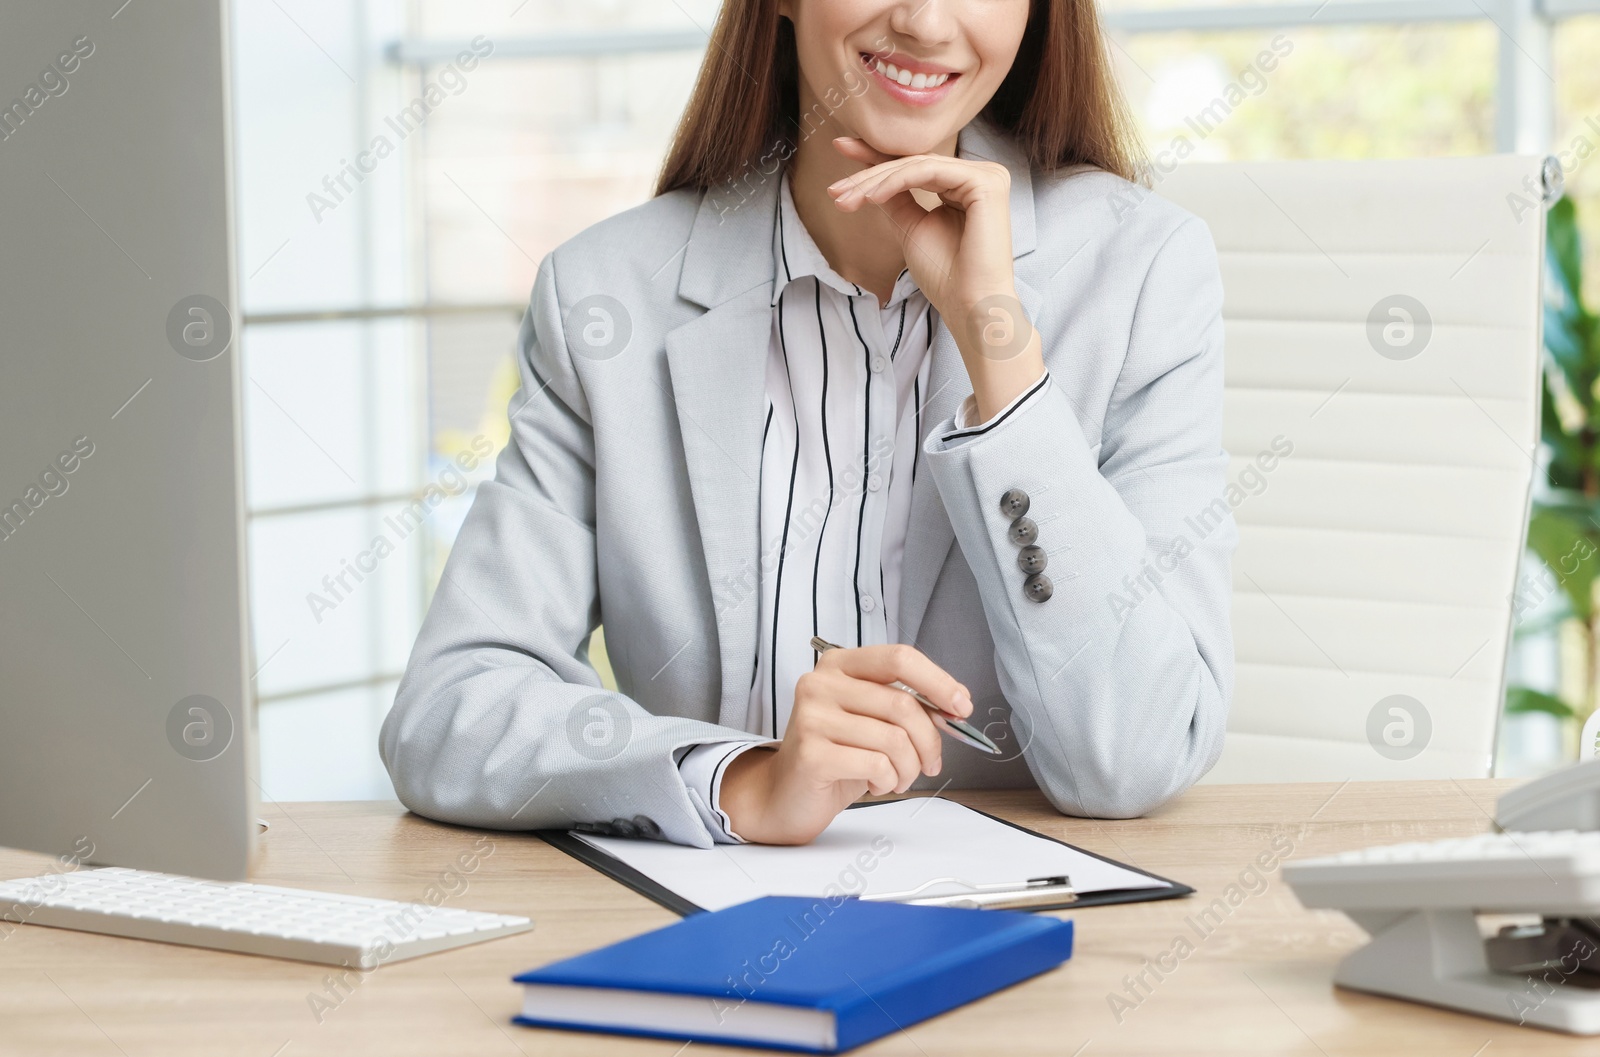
{"x":125,"y":718}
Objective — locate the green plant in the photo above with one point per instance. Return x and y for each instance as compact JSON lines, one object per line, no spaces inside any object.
{"x":1564,"y":528}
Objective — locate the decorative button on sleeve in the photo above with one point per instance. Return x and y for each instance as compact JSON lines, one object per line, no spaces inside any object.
{"x":1031,"y":559}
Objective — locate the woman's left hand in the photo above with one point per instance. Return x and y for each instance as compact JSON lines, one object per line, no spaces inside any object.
{"x":959,"y":253}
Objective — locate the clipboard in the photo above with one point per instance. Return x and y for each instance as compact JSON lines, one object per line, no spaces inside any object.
{"x":651,"y":889}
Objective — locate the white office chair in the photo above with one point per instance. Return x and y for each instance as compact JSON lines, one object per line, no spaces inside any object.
{"x":1383,"y":318}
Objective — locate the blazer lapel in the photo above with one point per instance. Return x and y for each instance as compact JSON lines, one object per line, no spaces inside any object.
{"x":930,"y":533}
{"x":718,"y":364}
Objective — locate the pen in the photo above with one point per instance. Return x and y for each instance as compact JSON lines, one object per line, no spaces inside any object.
{"x":957,"y":728}
{"x":1036,"y":892}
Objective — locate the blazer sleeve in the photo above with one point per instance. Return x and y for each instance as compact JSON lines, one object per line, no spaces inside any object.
{"x":1119,"y":681}
{"x":500,"y":721}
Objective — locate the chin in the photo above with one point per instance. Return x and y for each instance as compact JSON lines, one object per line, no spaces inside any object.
{"x":902,"y":138}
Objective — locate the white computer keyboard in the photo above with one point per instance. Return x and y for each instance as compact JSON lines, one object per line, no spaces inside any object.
{"x":250,"y":918}
{"x":1524,"y":871}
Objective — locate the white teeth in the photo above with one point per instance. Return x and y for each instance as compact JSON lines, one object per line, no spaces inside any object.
{"x":907,"y":78}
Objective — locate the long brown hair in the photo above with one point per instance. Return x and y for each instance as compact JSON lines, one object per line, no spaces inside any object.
{"x":1059,"y":100}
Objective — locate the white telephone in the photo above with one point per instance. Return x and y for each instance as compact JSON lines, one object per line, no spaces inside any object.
{"x":1567,"y":799}
{"x":1421,"y":903}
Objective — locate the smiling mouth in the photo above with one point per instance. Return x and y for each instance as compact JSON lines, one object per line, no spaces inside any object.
{"x":916,"y":81}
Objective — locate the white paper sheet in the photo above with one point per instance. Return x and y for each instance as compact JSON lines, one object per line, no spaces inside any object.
{"x":889,"y":847}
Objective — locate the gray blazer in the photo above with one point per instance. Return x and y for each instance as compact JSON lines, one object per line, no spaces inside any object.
{"x":628,"y":494}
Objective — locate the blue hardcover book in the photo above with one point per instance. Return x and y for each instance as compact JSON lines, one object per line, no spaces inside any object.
{"x":795,"y":973}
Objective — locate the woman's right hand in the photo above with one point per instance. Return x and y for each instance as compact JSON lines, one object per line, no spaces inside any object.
{"x":849,"y":733}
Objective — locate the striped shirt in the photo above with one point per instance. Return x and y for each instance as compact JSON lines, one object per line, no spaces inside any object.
{"x":846,"y":381}
{"x":847,"y":385}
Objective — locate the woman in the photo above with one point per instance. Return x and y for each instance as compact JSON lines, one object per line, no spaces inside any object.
{"x":973,"y":439}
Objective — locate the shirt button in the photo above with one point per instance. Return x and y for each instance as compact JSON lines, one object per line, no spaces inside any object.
{"x":1038,"y":587}
{"x":878,"y":364}
{"x":874,"y":482}
{"x":1014,"y":503}
{"x":1031,"y":559}
{"x":1023,"y":531}
{"x":868,"y":603}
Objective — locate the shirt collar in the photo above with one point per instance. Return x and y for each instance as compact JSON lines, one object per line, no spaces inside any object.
{"x":795,"y":255}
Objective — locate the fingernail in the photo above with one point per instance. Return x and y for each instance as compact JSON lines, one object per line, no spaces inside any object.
{"x":938,"y":765}
{"x":839,"y":183}
{"x":964,"y":699}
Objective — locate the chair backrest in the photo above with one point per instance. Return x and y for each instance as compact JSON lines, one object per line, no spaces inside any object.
{"x":1382,"y":418}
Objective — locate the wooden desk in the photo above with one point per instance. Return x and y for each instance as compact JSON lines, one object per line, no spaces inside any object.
{"x":1258,"y":984}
